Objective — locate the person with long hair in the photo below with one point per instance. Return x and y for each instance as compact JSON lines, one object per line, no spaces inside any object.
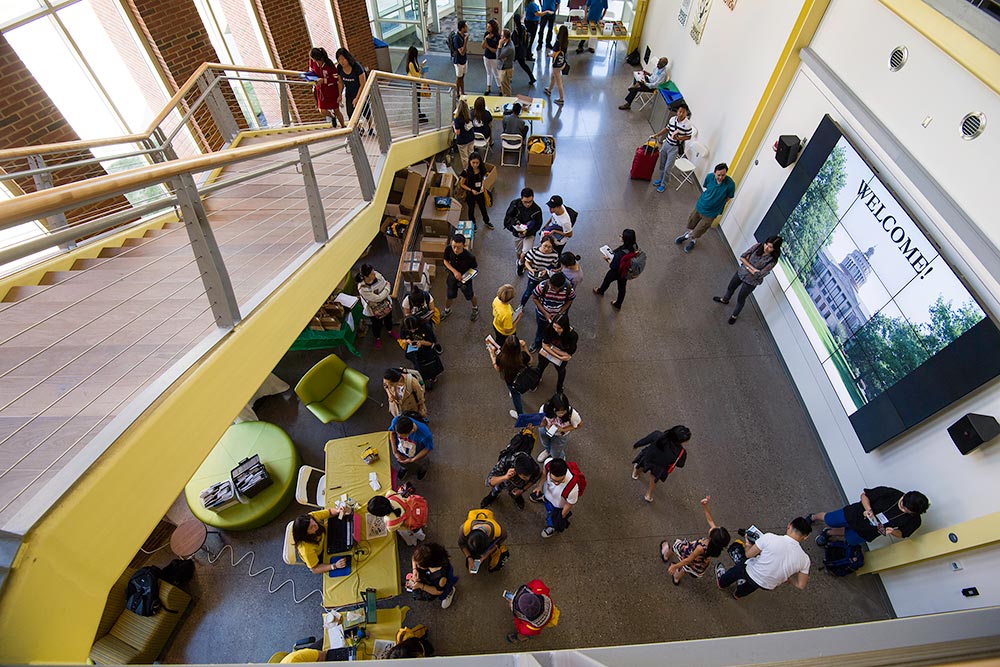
{"x":491,"y":42}
{"x":505,"y":320}
{"x":420,"y":346}
{"x":569,"y":263}
{"x":404,"y":392}
{"x":755,"y":263}
{"x":352,"y":79}
{"x":432,"y":576}
{"x":482,"y":119}
{"x":376,"y":294}
{"x":464,"y":136}
{"x":415,"y":68}
{"x":522,"y":49}
{"x":309,"y":536}
{"x":662,"y":452}
{"x":539,"y":262}
{"x":512,"y":358}
{"x":559,"y":343}
{"x":558,"y":63}
{"x":420,"y":304}
{"x":618,"y":266}
{"x":694,"y":557}
{"x":327,"y":85}
{"x":473,"y":181}
{"x":559,"y":419}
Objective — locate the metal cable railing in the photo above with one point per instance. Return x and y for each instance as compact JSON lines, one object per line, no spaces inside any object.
{"x":82,"y":357}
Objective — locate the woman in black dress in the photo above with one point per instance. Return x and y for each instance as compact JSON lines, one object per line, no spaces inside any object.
{"x":618,"y":267}
{"x":661,"y":453}
{"x":421,"y":347}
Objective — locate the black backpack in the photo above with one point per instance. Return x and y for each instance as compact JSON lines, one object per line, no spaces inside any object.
{"x":634,"y":59}
{"x":451,"y":44}
{"x":142,"y":595}
{"x":523,"y":441}
{"x":526,"y":380}
{"x":572,"y":215}
{"x":841,"y":559}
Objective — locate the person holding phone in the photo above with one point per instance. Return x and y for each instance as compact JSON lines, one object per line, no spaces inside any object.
{"x":882,"y":510}
{"x":533,"y":610}
{"x":432,"y":576}
{"x":559,"y":419}
{"x":482,"y":542}
{"x":618,"y":266}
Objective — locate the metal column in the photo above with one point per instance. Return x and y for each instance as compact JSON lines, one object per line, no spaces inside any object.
{"x":43,"y":181}
{"x":376,"y":106}
{"x":317,"y":216}
{"x":222,"y":115}
{"x":365,"y":177}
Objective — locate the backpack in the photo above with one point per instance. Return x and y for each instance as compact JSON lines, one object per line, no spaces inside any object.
{"x":572,"y":215}
{"x":634,"y":59}
{"x":451,"y":44}
{"x":413,"y":373}
{"x":637,"y":263}
{"x":578,"y":481}
{"x":841,"y":559}
{"x":178,"y":572}
{"x":416,"y":509}
{"x":527,"y":379}
{"x":142,"y":595}
{"x":523,"y":441}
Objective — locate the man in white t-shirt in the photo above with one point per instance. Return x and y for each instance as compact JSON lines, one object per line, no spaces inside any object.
{"x":560,"y":223}
{"x":559,"y":491}
{"x":770,"y":562}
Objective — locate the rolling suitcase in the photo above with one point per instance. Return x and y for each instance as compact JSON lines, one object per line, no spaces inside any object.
{"x":644,"y":162}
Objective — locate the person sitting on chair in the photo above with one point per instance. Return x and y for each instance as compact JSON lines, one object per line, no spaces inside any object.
{"x":512,"y":123}
{"x":648,"y":82}
{"x":309,"y":535}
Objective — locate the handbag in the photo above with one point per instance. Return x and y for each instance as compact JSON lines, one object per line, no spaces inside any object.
{"x":380,"y":309}
{"x":565,"y":69}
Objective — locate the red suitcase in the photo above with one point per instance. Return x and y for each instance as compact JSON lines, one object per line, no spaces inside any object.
{"x":644,"y":162}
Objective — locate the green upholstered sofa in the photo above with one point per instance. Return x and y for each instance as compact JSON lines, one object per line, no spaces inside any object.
{"x":127,"y":638}
{"x":332,"y":391}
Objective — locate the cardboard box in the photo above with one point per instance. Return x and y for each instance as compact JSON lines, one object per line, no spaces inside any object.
{"x":447,"y":181}
{"x":465,"y":228}
{"x":542,"y":159}
{"x":431,"y":271}
{"x":438,"y":191}
{"x":436,"y":222}
{"x":392,"y":210}
{"x":410,"y":192}
{"x":433,"y":247}
{"x":414,"y":267}
{"x":491,"y":176}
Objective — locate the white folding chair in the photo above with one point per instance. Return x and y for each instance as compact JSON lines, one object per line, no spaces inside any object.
{"x":511,"y":143}
{"x":644,"y":99}
{"x":289,"y":553}
{"x":575,"y":14}
{"x":693,"y":150}
{"x":481,"y":144}
{"x":310,"y":488}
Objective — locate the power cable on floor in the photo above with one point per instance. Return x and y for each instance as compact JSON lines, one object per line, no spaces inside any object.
{"x":234,"y":562}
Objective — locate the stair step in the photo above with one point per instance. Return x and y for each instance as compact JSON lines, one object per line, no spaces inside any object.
{"x":55,"y":277}
{"x":20,"y":292}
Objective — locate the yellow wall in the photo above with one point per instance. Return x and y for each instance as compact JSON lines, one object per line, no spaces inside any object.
{"x":56,"y":590}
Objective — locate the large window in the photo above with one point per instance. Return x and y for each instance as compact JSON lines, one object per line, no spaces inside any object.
{"x":321,"y":25}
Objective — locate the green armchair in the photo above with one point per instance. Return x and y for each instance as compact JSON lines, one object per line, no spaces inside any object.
{"x":332,"y":391}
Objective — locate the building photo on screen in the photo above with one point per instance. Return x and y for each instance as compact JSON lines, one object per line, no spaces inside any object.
{"x":873,"y":295}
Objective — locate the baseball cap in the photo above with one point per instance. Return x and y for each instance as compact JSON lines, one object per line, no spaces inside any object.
{"x":554,"y":200}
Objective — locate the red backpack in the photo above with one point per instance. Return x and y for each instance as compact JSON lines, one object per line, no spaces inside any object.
{"x":577,"y":481}
{"x":416,"y":511}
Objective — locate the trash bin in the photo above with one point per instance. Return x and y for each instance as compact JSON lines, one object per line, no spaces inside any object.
{"x":382,"y":61}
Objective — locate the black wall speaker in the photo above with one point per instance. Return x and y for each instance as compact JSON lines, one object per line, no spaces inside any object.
{"x":787,"y":149}
{"x":973,"y":430}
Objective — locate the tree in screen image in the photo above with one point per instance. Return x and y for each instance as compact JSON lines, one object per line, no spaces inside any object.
{"x":807,"y":230}
{"x":947,"y":323}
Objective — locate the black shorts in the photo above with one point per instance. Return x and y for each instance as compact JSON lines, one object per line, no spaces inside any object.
{"x":454,"y":286}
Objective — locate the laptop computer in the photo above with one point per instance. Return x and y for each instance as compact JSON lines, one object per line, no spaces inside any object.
{"x":342,"y":534}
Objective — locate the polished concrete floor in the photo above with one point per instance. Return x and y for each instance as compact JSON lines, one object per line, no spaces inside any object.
{"x":668,"y":357}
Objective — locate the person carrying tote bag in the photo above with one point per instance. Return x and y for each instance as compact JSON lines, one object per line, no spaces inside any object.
{"x":376,"y":294}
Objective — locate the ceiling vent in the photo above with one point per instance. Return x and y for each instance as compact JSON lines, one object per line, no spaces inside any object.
{"x":898,"y":58}
{"x":973,"y":125}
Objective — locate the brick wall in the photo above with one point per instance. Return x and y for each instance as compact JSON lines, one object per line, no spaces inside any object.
{"x":28,"y":116}
{"x":355,"y":30}
{"x":289,"y":41}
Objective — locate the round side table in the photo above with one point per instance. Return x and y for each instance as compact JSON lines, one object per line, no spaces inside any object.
{"x":188,"y":538}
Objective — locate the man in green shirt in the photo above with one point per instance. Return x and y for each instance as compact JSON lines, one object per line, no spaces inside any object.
{"x":718,"y":189}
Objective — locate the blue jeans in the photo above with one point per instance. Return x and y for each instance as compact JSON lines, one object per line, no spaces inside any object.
{"x":836,"y":519}
{"x":515,"y":398}
{"x":541,"y":322}
{"x":532,"y":284}
{"x":555,"y":445}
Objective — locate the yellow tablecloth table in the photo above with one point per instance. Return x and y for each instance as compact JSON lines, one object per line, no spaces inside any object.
{"x":347,"y":473}
{"x":495,"y":103}
{"x":388,"y":623}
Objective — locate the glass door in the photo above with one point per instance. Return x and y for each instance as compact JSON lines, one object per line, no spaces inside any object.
{"x":400,"y":24}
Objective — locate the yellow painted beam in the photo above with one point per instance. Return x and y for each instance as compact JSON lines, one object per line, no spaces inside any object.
{"x":57,"y":587}
{"x":980,"y":60}
{"x":781,"y":78}
{"x":971,"y":534}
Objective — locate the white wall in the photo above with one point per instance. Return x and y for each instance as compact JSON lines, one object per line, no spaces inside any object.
{"x":855,"y":40}
{"x":722,"y":78}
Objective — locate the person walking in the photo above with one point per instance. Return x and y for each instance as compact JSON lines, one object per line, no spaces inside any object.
{"x":552,"y":298}
{"x":410,"y":441}
{"x":522,"y":49}
{"x":352,"y":81}
{"x":376,"y":294}
{"x":327,"y":87}
{"x":512,"y":358}
{"x":432,"y":576}
{"x":421,"y":348}
{"x":694,"y":557}
{"x":661,"y":453}
{"x":770,"y":562}
{"x":473,"y":181}
{"x":539,"y":263}
{"x":560,"y":223}
{"x":618,"y":267}
{"x":523,"y":220}
{"x":755,"y":264}
{"x":559,"y":419}
{"x":718,"y":188}
{"x":491,"y":43}
{"x":459,"y":262}
{"x":505,"y":319}
{"x":677,"y":130}
{"x":404,"y":391}
{"x":459,"y":48}
{"x":505,"y":62}
{"x":531,"y":19}
{"x":558,"y":64}
{"x":559,"y":343}
{"x":464,"y":136}
{"x":547,"y":18}
{"x":559,"y":491}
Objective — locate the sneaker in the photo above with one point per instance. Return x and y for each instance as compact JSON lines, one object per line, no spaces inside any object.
{"x":542,"y":455}
{"x":504,"y":557}
{"x":808,"y":516}
{"x":513,"y":413}
{"x":445,"y":603}
{"x":548,"y":531}
{"x":378,"y":343}
{"x":720,"y":570}
{"x":689,"y":246}
{"x":519,"y":501}
{"x":421,"y":474}
{"x":719,"y":299}
{"x":487,"y":501}
{"x":657,"y":182}
{"x":445,"y":313}
{"x":489,"y":225}
{"x":625,"y":107}
{"x":661,"y":187}
{"x":475,"y":314}
{"x":822,"y":539}
{"x":732,"y":319}
{"x":535,"y":497}
{"x":520,"y":269}
{"x":680,"y":239}
{"x":395,"y":336}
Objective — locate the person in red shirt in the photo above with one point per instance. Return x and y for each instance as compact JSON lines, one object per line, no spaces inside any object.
{"x":533,"y":610}
{"x":327,"y":88}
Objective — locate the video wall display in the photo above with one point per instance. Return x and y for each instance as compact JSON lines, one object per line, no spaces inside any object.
{"x":898,"y":333}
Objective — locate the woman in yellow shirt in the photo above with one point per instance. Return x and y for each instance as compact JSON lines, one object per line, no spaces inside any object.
{"x":309,"y":535}
{"x":504,"y":319}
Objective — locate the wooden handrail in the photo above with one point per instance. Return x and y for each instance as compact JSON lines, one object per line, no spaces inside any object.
{"x":44,"y":203}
